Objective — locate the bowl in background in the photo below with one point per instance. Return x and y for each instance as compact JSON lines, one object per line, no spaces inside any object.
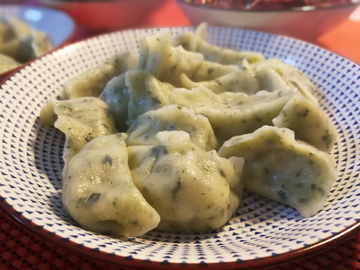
{"x":59,"y":27}
{"x":105,"y":15}
{"x":304,"y":22}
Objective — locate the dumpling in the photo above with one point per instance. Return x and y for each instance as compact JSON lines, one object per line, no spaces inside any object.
{"x":47,"y":113}
{"x":270,"y":80}
{"x":40,"y":44}
{"x":172,"y":117}
{"x":192,"y":190}
{"x":165,"y":62}
{"x":82,"y":120}
{"x":18,"y":27}
{"x":232,"y":114}
{"x":146,"y":93}
{"x":243,"y":80}
{"x":19,"y":42}
{"x":116,"y":96}
{"x":12,"y":28}
{"x":27,"y":48}
{"x":7,"y":63}
{"x":282,"y":169}
{"x":292,"y":76}
{"x":93,"y":81}
{"x":196,"y":42}
{"x":98,"y":191}
{"x":308,"y":122}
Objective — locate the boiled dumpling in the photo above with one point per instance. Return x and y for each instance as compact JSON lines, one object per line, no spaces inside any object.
{"x":19,"y":42}
{"x":282,"y":169}
{"x":40,"y":44}
{"x":27,"y":48}
{"x":47,"y":113}
{"x":116,"y":96}
{"x":93,"y":81}
{"x":172,"y":117}
{"x":12,"y":28}
{"x":18,"y":28}
{"x":196,"y":42}
{"x":146,"y":93}
{"x":232,"y":114}
{"x":243,"y":80}
{"x":292,"y":76}
{"x":7,"y":63}
{"x":82,"y":120}
{"x":5,"y":33}
{"x":165,"y":62}
{"x":192,"y":190}
{"x":99,"y":194}
{"x":308,"y":122}
{"x":270,"y":80}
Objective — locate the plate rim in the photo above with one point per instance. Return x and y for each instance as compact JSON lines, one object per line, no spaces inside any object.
{"x":120,"y":260}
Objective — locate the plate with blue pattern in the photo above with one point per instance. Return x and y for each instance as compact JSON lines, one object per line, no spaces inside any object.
{"x":262,"y":232}
{"x":58,"y":26}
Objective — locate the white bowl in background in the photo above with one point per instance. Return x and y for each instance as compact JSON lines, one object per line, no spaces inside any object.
{"x":305,"y":23}
{"x":105,"y":15}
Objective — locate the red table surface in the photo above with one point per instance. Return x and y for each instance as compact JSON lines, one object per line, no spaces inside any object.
{"x":20,"y":249}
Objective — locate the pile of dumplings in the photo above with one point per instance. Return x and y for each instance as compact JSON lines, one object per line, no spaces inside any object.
{"x":19,"y":43}
{"x":168,"y":139}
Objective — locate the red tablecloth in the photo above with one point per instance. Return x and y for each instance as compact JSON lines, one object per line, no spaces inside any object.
{"x":19,"y":249}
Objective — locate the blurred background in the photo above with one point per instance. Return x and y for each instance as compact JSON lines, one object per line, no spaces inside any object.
{"x":332,"y":24}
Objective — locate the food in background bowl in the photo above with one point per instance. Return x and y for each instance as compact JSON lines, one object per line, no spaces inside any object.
{"x":304,"y":19}
{"x":19,"y":43}
{"x":27,"y":32}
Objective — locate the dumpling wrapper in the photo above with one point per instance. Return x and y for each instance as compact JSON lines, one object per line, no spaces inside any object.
{"x":308,"y":122}
{"x":47,"y":112}
{"x":210,"y":71}
{"x":172,"y":117}
{"x":243,"y":80}
{"x":146,"y":93}
{"x":93,"y":81}
{"x":116,"y":96}
{"x":196,"y":42}
{"x":82,"y":120}
{"x":232,"y":114}
{"x":98,"y":191}
{"x":282,"y":169}
{"x":192,"y":190}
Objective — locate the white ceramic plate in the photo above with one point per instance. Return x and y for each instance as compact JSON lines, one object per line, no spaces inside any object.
{"x":262,"y":233}
{"x":58,"y":26}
